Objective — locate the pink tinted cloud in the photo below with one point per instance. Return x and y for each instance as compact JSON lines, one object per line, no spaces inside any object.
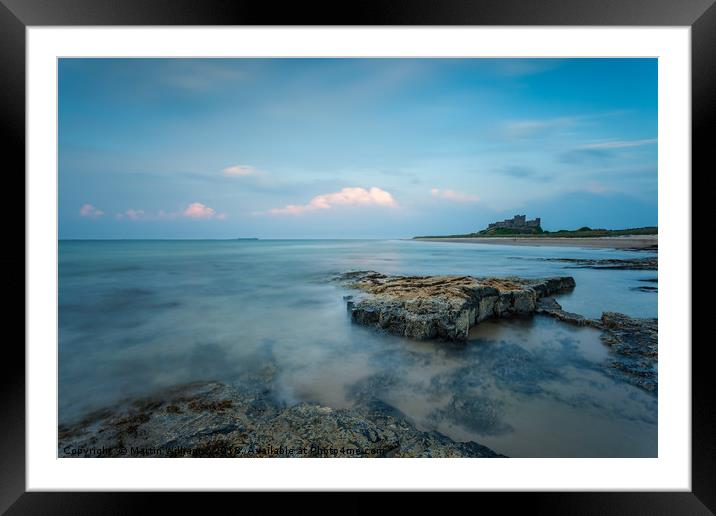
{"x":453,"y":195}
{"x":89,"y":211}
{"x":351,"y":196}
{"x":197,"y":210}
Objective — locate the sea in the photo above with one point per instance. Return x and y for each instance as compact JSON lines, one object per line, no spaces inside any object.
{"x":136,"y":316}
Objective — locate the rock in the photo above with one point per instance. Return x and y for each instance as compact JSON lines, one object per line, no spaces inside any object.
{"x":635,"y":344}
{"x":215,"y":420}
{"x":646,"y":289}
{"x":633,"y":341}
{"x":548,"y":306}
{"x":445,"y":307}
{"x":548,"y":303}
{"x":479,"y":414}
{"x":650,"y":263}
{"x":315,"y":431}
{"x":631,"y":336}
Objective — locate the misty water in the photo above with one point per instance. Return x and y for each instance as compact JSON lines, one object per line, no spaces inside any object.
{"x":137,"y":316}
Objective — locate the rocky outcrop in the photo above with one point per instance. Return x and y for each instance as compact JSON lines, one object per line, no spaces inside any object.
{"x":215,"y":420}
{"x":444,"y":307}
{"x":633,"y":341}
{"x":650,"y":263}
{"x":549,"y":306}
{"x":635,"y":344}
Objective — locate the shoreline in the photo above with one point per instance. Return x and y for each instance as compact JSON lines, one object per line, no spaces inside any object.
{"x":641,"y":242}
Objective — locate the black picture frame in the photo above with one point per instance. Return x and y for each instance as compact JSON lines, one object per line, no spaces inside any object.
{"x":17,"y":15}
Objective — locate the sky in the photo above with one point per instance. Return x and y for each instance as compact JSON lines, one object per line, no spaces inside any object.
{"x":353,"y":148}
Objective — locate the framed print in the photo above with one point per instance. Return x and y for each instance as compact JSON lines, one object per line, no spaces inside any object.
{"x":415,"y":250}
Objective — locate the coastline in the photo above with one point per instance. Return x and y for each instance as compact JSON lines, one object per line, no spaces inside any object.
{"x":644,"y":242}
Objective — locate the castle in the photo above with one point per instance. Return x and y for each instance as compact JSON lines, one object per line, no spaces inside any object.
{"x":516,"y":222}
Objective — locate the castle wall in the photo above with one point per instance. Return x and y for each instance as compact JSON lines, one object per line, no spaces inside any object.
{"x":518,"y":221}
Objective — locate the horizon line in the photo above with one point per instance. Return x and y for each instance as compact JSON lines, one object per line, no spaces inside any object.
{"x":242,"y":238}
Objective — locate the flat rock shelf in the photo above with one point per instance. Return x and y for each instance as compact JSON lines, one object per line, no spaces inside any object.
{"x":212,"y":419}
{"x":442,"y":307}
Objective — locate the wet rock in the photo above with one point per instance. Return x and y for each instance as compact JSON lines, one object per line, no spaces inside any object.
{"x":479,"y":414}
{"x":444,"y":307}
{"x":521,"y":370}
{"x":314,"y":431}
{"x":631,"y":336}
{"x":215,"y":420}
{"x":548,"y":303}
{"x":650,"y":263}
{"x":166,"y":424}
{"x":462,"y":378}
{"x":549,"y":306}
{"x":646,"y":289}
{"x":373,"y":387}
{"x":634,"y":343}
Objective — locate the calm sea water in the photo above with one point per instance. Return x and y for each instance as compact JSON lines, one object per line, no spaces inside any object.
{"x":135,"y":316}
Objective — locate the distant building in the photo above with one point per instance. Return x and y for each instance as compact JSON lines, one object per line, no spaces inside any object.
{"x":516,"y":222}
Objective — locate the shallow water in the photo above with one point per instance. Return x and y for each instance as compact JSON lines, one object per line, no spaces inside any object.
{"x":135,"y":316}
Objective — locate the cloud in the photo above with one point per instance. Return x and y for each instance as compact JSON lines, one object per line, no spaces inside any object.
{"x":345,"y":197}
{"x":620,"y":144}
{"x":516,"y":171}
{"x":135,"y":214}
{"x":582,"y":156}
{"x":535,"y":128}
{"x":522,"y":67}
{"x":89,"y":211}
{"x":523,"y":173}
{"x":201,"y":76}
{"x":240,"y":171}
{"x":197,"y":210}
{"x":453,"y":195}
{"x":601,"y":151}
{"x":519,"y":129}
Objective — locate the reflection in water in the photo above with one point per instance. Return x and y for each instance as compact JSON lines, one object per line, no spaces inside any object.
{"x":534,"y":388}
{"x":139,"y":315}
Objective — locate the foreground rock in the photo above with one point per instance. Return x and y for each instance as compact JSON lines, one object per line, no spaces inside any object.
{"x":445,"y":307}
{"x":633,"y":341}
{"x":215,"y":420}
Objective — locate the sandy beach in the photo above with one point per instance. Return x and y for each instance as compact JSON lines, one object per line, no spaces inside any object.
{"x":623,"y":242}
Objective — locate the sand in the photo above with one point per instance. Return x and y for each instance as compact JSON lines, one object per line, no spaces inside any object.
{"x":622,"y":242}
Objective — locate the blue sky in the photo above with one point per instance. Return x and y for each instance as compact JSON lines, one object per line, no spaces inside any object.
{"x":353,"y":148}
